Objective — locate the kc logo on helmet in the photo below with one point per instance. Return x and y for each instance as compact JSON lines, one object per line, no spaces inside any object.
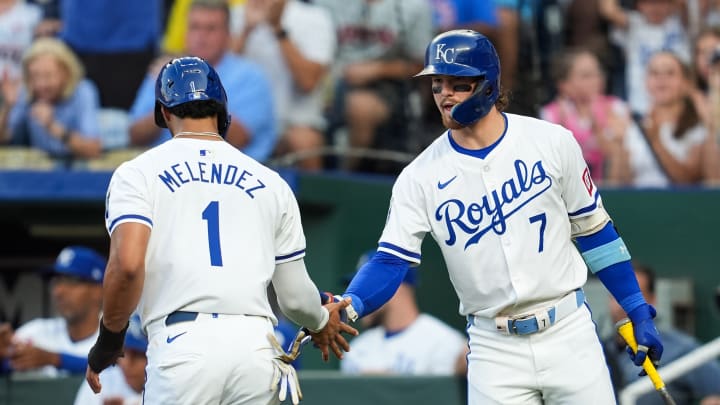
{"x":446,"y":54}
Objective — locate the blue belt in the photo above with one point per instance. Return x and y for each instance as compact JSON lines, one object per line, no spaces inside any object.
{"x":532,"y":323}
{"x":182,"y":316}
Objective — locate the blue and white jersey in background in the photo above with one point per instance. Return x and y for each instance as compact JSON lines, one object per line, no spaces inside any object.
{"x":503,"y":221}
{"x":220,"y":223}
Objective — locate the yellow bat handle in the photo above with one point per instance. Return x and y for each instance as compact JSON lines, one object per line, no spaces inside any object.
{"x":625,"y":329}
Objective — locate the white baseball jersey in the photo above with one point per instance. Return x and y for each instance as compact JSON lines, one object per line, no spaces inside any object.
{"x":502,"y":222}
{"x":427,"y":346}
{"x":17,"y":26}
{"x":220,"y":222}
{"x":51,"y":334}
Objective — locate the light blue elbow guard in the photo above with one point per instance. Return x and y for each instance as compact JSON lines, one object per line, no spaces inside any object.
{"x":606,"y":255}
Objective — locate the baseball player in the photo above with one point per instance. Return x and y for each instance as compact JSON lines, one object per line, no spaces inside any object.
{"x":58,"y":346}
{"x":198,"y":231}
{"x":505,"y":196}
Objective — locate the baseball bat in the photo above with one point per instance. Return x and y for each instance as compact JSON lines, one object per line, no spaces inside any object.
{"x":625,"y":329}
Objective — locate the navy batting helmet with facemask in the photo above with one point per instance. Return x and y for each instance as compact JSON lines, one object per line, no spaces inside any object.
{"x":187,"y":79}
{"x":470,"y":54}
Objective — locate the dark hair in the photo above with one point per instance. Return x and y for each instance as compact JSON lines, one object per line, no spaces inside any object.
{"x":503,"y":100}
{"x":198,"y":109}
{"x":649,"y":273}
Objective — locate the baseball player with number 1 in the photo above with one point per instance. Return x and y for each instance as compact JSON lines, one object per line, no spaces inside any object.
{"x":505,"y":196}
{"x":198,"y":231}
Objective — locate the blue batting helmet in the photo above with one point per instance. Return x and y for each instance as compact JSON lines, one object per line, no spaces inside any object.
{"x":466,"y":53}
{"x":187,"y":79}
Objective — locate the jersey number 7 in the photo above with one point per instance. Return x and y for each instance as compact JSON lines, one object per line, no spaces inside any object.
{"x":211,"y":214}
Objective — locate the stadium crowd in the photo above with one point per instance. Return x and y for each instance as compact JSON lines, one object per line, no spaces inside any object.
{"x":326,"y":85}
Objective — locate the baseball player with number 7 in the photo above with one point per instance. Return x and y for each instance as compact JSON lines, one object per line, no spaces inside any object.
{"x":198,"y":231}
{"x":510,"y":201}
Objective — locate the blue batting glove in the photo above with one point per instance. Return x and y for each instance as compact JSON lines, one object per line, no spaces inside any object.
{"x":646,"y":335}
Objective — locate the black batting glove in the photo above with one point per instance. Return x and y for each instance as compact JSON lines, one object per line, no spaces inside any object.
{"x":107,"y":349}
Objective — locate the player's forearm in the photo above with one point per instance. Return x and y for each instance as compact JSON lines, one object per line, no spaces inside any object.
{"x":376,"y":282}
{"x":607,"y":257}
{"x":125,"y":274}
{"x":122,"y":289}
{"x":297,"y":295}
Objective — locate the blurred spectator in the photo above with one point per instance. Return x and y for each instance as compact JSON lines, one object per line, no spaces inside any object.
{"x":401,"y":340}
{"x":668,"y":148}
{"x":56,"y":109}
{"x":469,"y":14}
{"x":173,"y":41}
{"x":706,"y":44}
{"x":530,"y":34}
{"x":17,"y":25}
{"x":59,"y":346}
{"x":598,"y":121}
{"x":655,"y":26}
{"x":121,"y":385}
{"x":115,"y":41}
{"x":700,"y":385}
{"x":381,"y":44}
{"x":250,"y":103}
{"x":294,"y":42}
{"x":585,"y":27}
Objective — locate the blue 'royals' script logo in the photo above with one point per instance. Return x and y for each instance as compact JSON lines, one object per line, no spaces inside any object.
{"x":477,"y":218}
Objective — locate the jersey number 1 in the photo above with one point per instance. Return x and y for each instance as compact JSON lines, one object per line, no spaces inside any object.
{"x":211,"y":214}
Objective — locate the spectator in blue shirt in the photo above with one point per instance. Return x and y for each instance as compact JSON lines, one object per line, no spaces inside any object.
{"x":480,"y":16}
{"x":115,"y":40}
{"x":700,"y":385}
{"x":56,"y":109}
{"x":252,"y":128}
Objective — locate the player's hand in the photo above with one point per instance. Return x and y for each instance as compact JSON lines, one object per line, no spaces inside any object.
{"x":25,"y":356}
{"x":330,"y":337}
{"x":646,"y":335}
{"x":93,"y":380}
{"x":284,"y":375}
{"x":107,"y":349}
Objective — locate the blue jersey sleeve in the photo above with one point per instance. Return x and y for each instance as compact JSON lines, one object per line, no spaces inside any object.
{"x":376,"y":282}
{"x":73,"y":364}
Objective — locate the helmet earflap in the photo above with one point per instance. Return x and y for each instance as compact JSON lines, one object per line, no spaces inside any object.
{"x":477,"y":105}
